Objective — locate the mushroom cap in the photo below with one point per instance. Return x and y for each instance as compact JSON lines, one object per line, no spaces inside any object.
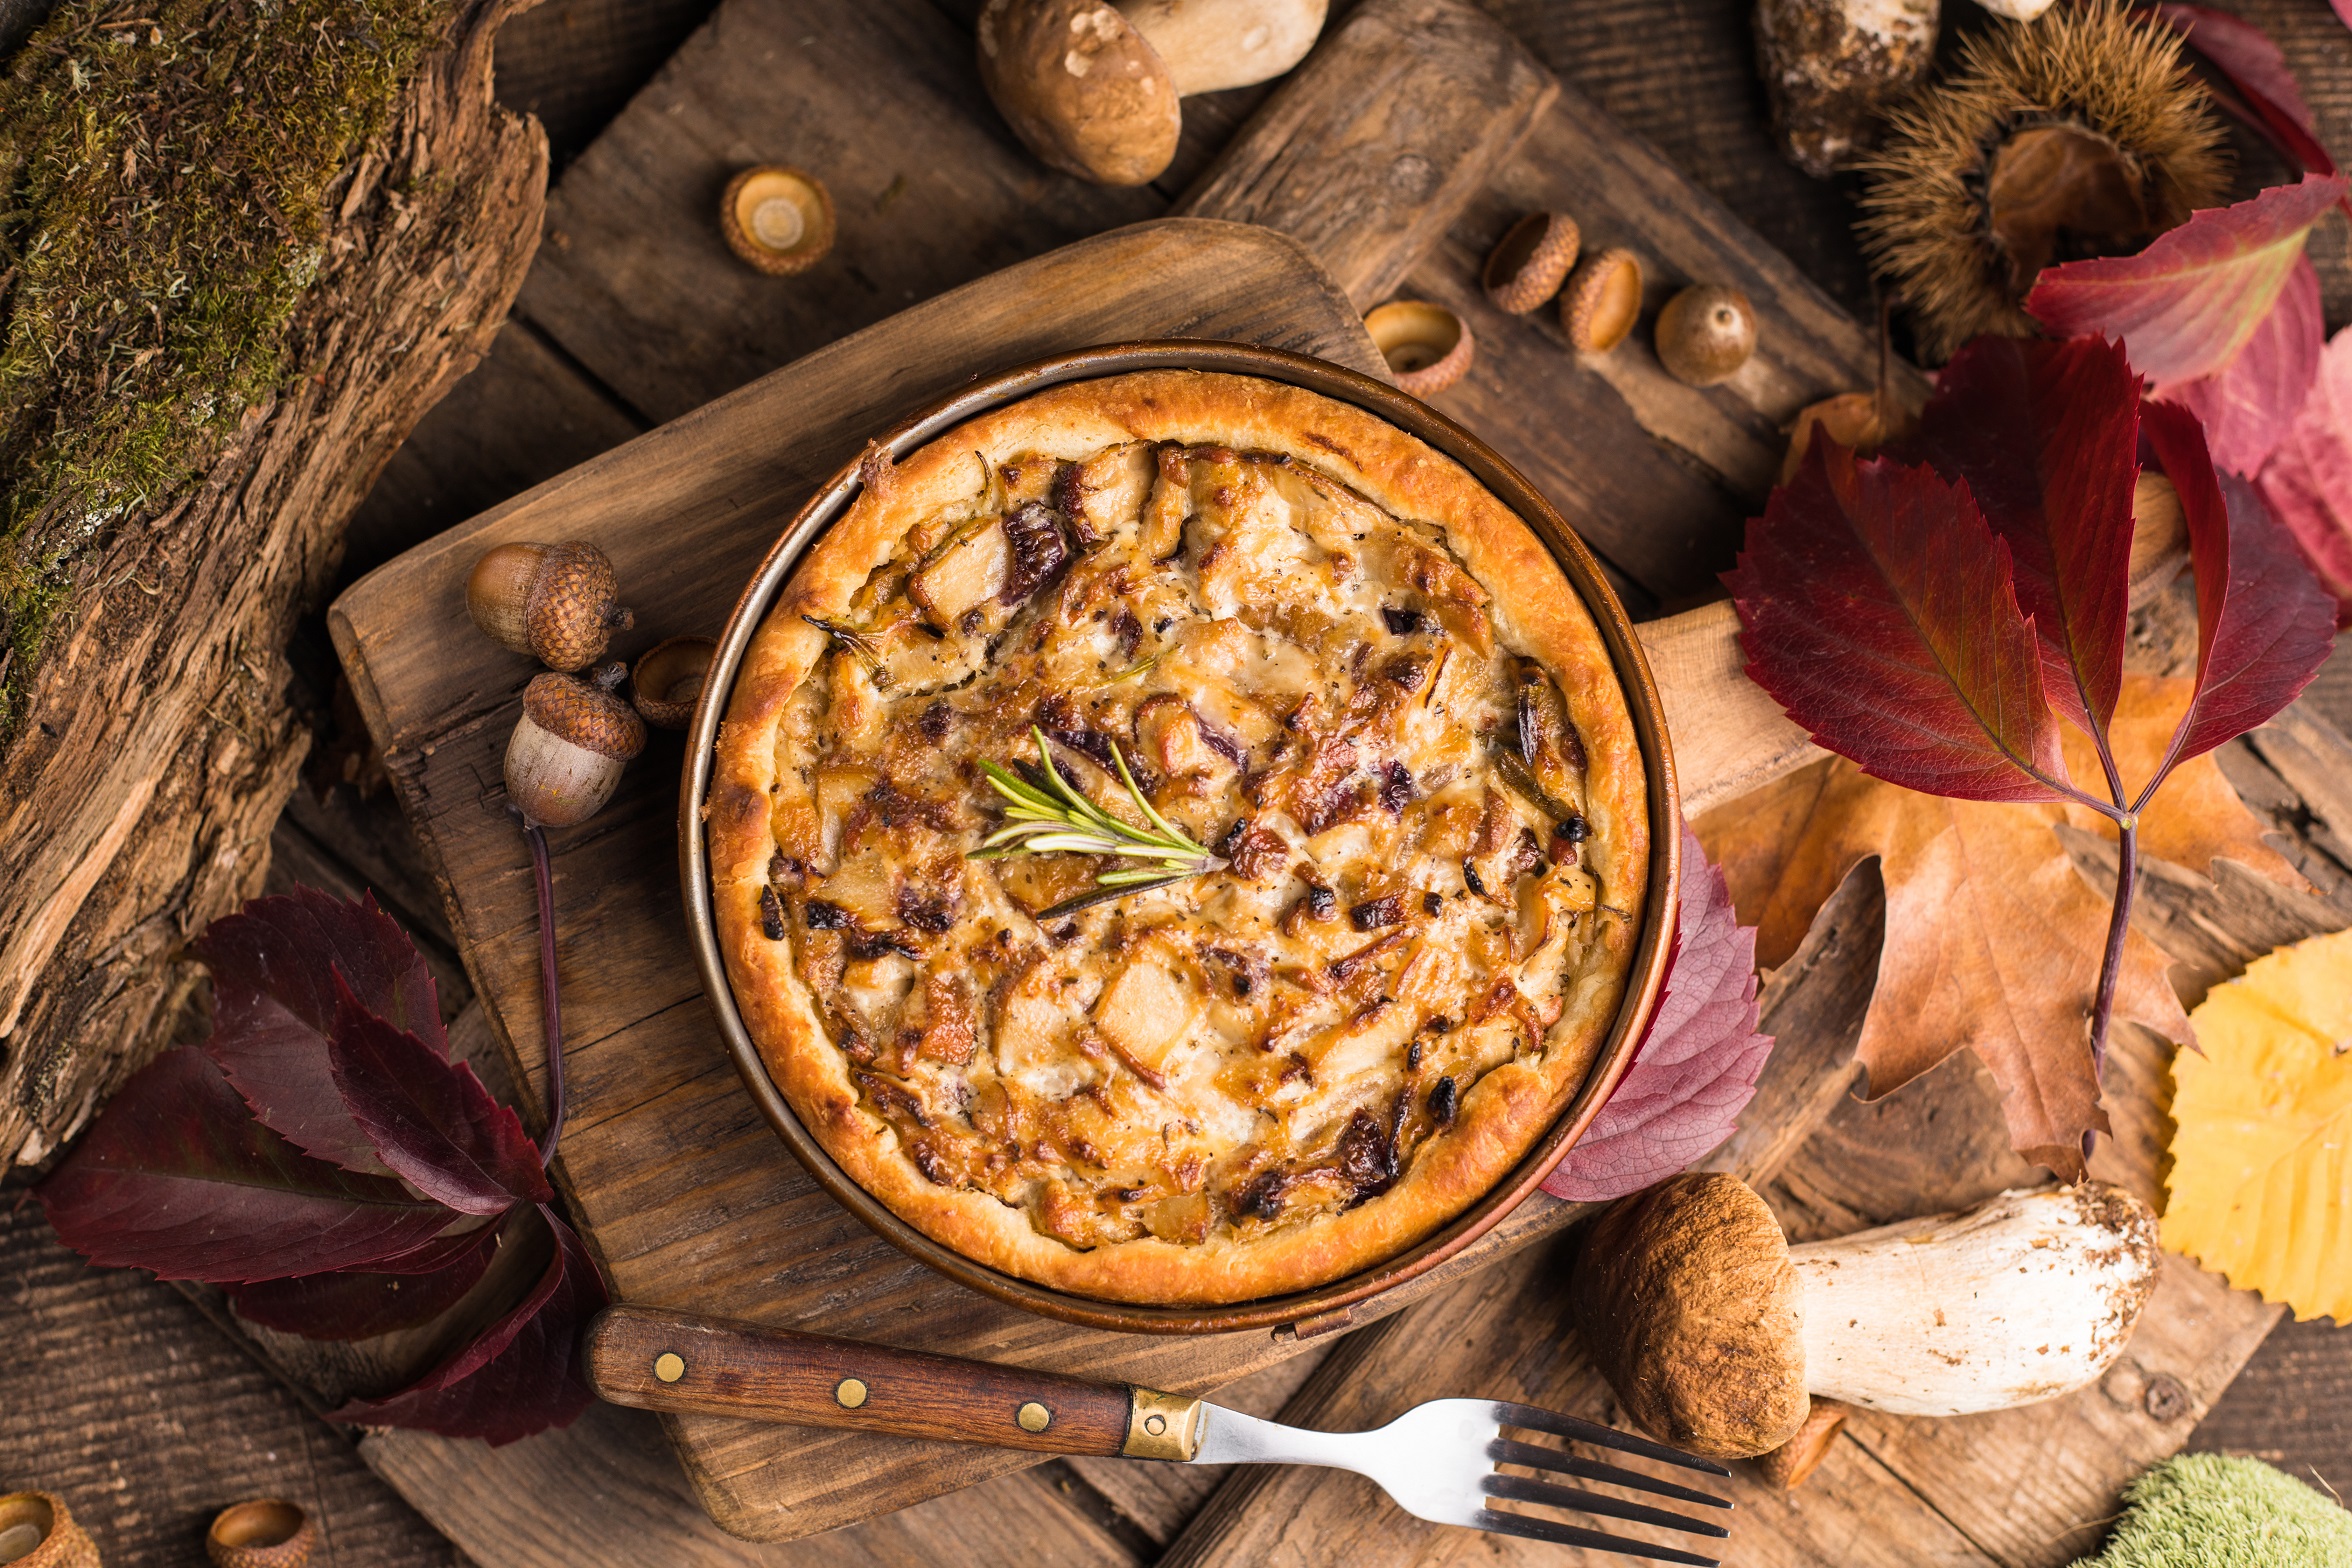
{"x":1427,"y":346}
{"x":1690,"y":1308}
{"x":1081,"y":86}
{"x":1211,"y":45}
{"x":778,"y":219}
{"x":1706,"y":333}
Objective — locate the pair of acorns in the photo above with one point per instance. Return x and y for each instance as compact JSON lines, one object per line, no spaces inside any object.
{"x":560,"y":603}
{"x":1704,"y":334}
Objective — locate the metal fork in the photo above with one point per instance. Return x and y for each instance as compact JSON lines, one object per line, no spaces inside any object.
{"x":1442,"y":1461}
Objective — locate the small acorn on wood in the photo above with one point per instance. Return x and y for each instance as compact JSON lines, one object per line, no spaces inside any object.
{"x":1706,"y":333}
{"x":38,"y":1530}
{"x":570,"y":745}
{"x":667,"y":681}
{"x":557,"y":602}
{"x":1531,"y":261}
{"x":777,"y":218}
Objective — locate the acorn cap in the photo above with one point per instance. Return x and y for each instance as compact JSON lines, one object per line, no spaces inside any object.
{"x":1602,"y":301}
{"x":1531,"y":260}
{"x":265,"y":1533}
{"x":1427,"y":346}
{"x":37,"y":1530}
{"x":667,"y":681}
{"x":570,"y":614}
{"x":1705,"y":334}
{"x":777,"y":218}
{"x":586,"y":713}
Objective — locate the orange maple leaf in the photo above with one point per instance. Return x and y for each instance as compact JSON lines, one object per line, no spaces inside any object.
{"x":1993,"y":942}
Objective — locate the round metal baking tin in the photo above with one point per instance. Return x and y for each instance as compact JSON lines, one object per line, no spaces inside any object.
{"x":1644,"y":981}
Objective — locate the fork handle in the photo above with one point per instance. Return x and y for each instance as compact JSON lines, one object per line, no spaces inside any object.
{"x":672,"y":1361}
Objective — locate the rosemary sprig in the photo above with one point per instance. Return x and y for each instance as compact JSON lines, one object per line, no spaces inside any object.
{"x":1060,"y":820}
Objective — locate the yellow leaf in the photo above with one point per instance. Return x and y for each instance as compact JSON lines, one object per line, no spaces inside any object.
{"x":2261,"y":1184}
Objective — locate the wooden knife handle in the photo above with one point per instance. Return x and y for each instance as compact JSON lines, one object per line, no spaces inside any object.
{"x":675,"y":1362}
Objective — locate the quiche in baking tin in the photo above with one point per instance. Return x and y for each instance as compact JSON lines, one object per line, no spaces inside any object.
{"x":1325,"y":652}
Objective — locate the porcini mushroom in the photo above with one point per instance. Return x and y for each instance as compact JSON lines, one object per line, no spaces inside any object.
{"x":1210,"y":45}
{"x":1716,"y":1334}
{"x":1081,"y":87}
{"x":1833,"y":67}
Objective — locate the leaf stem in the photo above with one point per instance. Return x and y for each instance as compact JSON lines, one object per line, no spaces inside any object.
{"x":2127,"y":877}
{"x":550,"y":997}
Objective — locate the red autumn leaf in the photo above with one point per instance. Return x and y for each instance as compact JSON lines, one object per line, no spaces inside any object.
{"x":2308,"y":481}
{"x":178,"y":1177}
{"x":1696,"y":1068}
{"x":2248,"y":409}
{"x":2046,"y":435}
{"x":2188,"y":303}
{"x":360,"y":1303}
{"x":521,"y":1375}
{"x":2256,"y":70}
{"x":2265,"y":624}
{"x":429,"y":1118}
{"x":272,"y":964}
{"x":1878,"y":608}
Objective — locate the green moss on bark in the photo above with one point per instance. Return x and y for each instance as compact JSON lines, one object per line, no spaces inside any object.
{"x":167,"y":172}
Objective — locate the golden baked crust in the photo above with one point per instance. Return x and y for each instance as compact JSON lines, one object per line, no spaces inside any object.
{"x":1329,"y":652}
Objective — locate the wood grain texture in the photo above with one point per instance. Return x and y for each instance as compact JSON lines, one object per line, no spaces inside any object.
{"x":679,"y":1363}
{"x":116,"y":1394}
{"x":1401,"y":114}
{"x":572,"y":64}
{"x":156,"y":744}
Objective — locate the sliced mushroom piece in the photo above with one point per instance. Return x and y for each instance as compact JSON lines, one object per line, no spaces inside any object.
{"x":1081,"y":86}
{"x":1211,"y":45}
{"x":966,"y":572}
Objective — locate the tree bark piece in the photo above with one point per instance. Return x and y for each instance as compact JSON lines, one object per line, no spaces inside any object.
{"x":1374,"y":146}
{"x":158,"y":744}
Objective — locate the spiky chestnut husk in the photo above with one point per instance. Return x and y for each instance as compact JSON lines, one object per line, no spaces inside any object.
{"x":556,"y":602}
{"x":2092,"y":107}
{"x":569,"y":746}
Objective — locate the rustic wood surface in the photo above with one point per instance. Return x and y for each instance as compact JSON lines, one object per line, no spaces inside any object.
{"x":157,"y":744}
{"x":1677,"y":72}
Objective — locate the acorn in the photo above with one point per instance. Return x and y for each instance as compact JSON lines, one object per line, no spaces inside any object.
{"x":1602,"y":301}
{"x":266,"y":1533}
{"x":1528,"y":264}
{"x":37,"y":1530}
{"x":555,"y":602}
{"x":1706,"y":333}
{"x":778,"y":219}
{"x":1427,"y":346}
{"x":668,"y":680}
{"x":570,"y":745}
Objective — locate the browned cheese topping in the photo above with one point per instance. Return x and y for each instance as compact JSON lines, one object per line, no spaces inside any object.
{"x":1309,"y":685}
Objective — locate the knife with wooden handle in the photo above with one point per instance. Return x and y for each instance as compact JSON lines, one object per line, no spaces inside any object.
{"x":672,"y":1361}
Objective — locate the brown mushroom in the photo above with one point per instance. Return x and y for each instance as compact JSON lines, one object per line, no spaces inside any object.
{"x":1083,"y":88}
{"x":1602,"y":301}
{"x":1716,"y":1334}
{"x":1531,"y":260}
{"x":1427,"y":346}
{"x":1705,"y":334}
{"x":778,"y":219}
{"x":1210,"y":45}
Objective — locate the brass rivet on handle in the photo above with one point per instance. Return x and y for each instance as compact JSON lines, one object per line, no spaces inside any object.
{"x":669,"y":1366}
{"x":1157,"y":1426}
{"x":849,"y":1393}
{"x":1033,"y":1417}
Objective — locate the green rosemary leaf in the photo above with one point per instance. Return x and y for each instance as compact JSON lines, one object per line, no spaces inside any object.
{"x":1045,"y":814}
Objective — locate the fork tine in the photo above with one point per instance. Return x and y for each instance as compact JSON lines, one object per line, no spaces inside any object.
{"x":1503,"y":1451}
{"x":1602,"y":1436}
{"x":1523,"y":1489}
{"x":1535,"y":1529}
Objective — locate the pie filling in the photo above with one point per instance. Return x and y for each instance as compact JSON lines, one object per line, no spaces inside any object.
{"x":1310,"y":686}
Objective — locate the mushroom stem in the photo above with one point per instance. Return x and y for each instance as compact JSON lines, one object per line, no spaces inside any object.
{"x":2017,"y":1300}
{"x":550,"y":993}
{"x":1211,"y":45}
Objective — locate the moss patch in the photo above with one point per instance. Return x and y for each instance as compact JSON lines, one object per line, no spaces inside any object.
{"x":166,"y":174}
{"x":2211,"y":1511}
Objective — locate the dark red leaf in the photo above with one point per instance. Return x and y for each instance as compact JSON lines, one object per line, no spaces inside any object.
{"x":1696,"y":1068}
{"x":430,"y":1119}
{"x":521,"y":1376}
{"x":1877,"y":606}
{"x":274,"y":1004}
{"x":2248,"y":409}
{"x":2186,"y":304}
{"x":178,"y":1177}
{"x":2047,"y":437}
{"x":2265,"y":624}
{"x":2308,"y":481}
{"x":2257,"y":71}
{"x":359,"y":1303}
